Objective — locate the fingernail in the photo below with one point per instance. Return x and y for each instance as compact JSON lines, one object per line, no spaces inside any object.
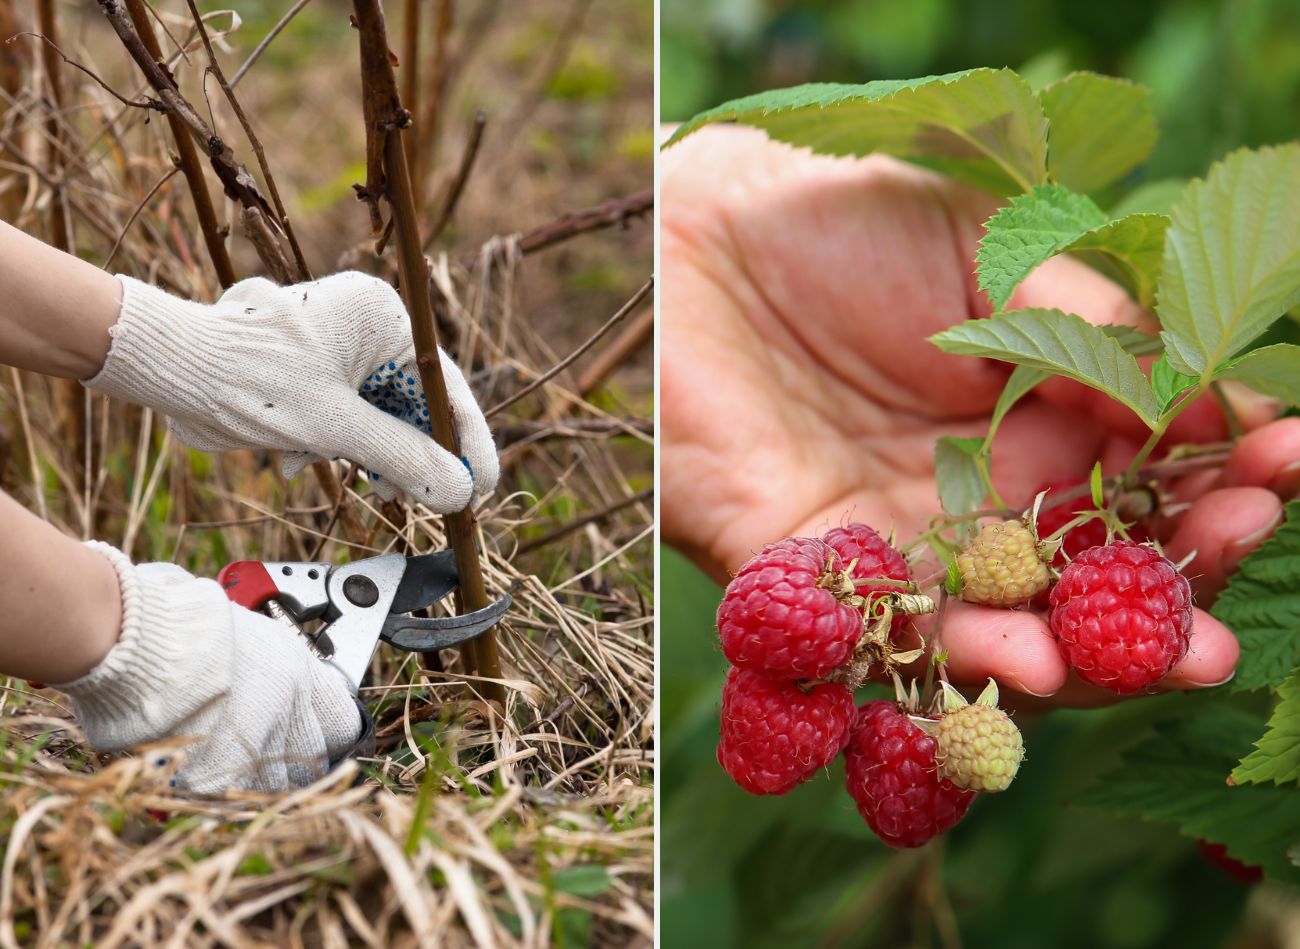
{"x":1286,"y":483}
{"x":1210,"y":685}
{"x":1235,"y":552}
{"x":1021,"y":687}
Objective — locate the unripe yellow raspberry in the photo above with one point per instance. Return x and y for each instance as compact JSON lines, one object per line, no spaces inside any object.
{"x":1002,"y":566}
{"x":979,"y":748}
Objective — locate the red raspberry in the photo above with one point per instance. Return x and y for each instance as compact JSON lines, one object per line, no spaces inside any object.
{"x":1217,"y":854}
{"x":893,"y":777}
{"x":1122,"y":616}
{"x":775,"y":618}
{"x":775,"y":735}
{"x":875,"y":558}
{"x":1076,"y":539}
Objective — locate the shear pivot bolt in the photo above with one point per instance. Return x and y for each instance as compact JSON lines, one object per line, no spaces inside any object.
{"x":361,"y":591}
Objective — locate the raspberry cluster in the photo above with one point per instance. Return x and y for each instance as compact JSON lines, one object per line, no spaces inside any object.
{"x":793,"y":615}
{"x":803,"y":610}
{"x":802,"y":620}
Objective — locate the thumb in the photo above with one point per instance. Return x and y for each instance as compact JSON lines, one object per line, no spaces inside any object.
{"x":401,"y":455}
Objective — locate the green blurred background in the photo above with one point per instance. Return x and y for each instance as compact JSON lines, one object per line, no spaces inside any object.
{"x":1025,"y":869}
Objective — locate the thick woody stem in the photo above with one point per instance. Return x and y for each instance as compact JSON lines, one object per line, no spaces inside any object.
{"x":384,"y":116}
{"x":188,"y":159}
{"x":239,"y":185}
{"x":411,"y":86}
{"x":234,"y":177}
{"x":282,"y":221}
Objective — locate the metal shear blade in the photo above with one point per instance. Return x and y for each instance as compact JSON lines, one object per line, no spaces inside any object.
{"x":426,"y":580}
{"x":418,"y":634}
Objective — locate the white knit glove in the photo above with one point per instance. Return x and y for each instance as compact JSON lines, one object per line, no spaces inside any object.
{"x":317,"y":370}
{"x":264,"y":712}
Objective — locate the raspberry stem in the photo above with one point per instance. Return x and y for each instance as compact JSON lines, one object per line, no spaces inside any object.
{"x":1182,"y":460}
{"x":1157,"y":432}
{"x":933,"y":650}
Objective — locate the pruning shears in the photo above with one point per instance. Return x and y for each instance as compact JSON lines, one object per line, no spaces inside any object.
{"x":361,"y":603}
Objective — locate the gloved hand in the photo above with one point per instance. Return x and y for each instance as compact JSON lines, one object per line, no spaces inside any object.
{"x":264,"y":712}
{"x":316,"y":370}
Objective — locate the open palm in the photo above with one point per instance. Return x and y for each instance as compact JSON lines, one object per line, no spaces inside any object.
{"x":800,"y":392}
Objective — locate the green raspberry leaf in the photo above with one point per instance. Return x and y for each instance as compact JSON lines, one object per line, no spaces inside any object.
{"x":1051,"y":220}
{"x":1272,"y":370}
{"x":1154,"y":197}
{"x":953,"y":582}
{"x":1232,"y":258}
{"x":1134,"y":245}
{"x":957,"y":473}
{"x":1168,"y":382}
{"x":1260,"y":606}
{"x":1179,"y":777}
{"x":1100,"y":129}
{"x":1023,"y":379}
{"x":982,"y":126}
{"x":1097,"y":487}
{"x":1061,"y":343}
{"x":1276,"y":756}
{"x":1032,"y":228}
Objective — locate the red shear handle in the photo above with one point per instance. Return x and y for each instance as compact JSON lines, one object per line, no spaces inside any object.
{"x":247,"y":583}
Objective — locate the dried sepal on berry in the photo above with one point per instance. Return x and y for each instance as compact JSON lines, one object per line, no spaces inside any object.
{"x":877,"y":647}
{"x":872,"y":565}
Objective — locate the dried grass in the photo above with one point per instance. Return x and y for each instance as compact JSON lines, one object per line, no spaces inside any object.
{"x":469,"y":827}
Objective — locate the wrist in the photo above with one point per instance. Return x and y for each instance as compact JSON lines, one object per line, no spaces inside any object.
{"x":150,"y":344}
{"x":171,"y":660}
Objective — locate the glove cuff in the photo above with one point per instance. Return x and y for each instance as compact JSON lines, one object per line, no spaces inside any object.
{"x":134,"y":696}
{"x":154,"y":335}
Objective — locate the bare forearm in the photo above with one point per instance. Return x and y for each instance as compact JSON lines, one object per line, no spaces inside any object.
{"x":62,"y":603}
{"x":55,"y":310}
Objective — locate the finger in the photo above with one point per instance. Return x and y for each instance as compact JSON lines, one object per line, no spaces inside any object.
{"x":254,"y":290}
{"x":292,"y":463}
{"x":1211,"y":660}
{"x":1222,"y":527}
{"x":472,"y":430}
{"x":1268,"y":457}
{"x":1211,"y":656}
{"x":202,"y":437}
{"x":1067,"y":284}
{"x":1013,"y":646}
{"x":402,"y":455}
